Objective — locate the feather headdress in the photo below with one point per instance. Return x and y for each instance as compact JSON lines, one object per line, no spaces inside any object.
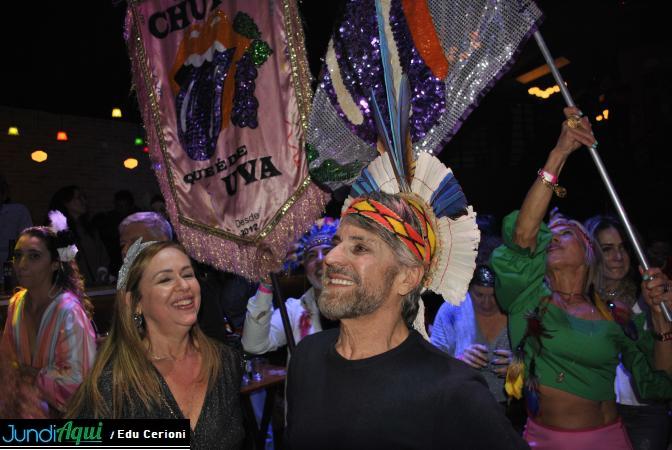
{"x":320,"y":233}
{"x":448,"y":239}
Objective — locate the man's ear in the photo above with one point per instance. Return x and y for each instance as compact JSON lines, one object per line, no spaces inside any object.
{"x":410,"y":278}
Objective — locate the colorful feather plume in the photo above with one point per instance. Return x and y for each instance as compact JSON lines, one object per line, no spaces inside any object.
{"x":532,"y":390}
{"x":515,"y":374}
{"x":619,"y":314}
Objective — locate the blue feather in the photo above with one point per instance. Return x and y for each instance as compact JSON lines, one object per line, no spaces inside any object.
{"x":365,"y":184}
{"x":448,"y":180}
{"x":366,"y":175}
{"x":448,"y":199}
{"x":397,"y":147}
{"x":381,"y":127}
{"x":532,"y":390}
{"x":532,"y":401}
{"x":404,"y":110}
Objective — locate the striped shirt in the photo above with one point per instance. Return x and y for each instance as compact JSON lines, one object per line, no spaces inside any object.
{"x":65,"y":345}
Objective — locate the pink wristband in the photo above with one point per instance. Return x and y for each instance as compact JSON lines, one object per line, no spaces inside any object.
{"x":548,"y":176}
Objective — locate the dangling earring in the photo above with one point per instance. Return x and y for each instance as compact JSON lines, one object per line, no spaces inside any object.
{"x":138,"y":321}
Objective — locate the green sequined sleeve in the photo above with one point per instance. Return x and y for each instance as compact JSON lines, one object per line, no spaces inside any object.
{"x":637,"y":357}
{"x":519,"y":282}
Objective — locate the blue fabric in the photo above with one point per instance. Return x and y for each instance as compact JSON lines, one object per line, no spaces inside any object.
{"x":455,"y":328}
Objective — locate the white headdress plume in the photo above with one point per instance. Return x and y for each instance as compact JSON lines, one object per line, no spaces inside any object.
{"x":67,"y":250}
{"x":424,"y":179}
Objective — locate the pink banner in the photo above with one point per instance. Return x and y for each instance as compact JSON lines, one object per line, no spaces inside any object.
{"x":223,"y":88}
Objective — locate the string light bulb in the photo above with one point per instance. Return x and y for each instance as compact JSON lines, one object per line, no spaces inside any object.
{"x":116,"y":113}
{"x":13,"y":131}
{"x":39,"y":156}
{"x":131,"y":163}
{"x":61,"y":136}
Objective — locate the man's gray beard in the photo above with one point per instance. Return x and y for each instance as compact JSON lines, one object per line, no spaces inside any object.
{"x":355,"y":303}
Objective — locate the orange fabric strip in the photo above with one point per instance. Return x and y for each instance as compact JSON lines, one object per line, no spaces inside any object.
{"x":425,"y":38}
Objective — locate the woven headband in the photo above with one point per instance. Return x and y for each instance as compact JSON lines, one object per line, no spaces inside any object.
{"x":422,"y":246}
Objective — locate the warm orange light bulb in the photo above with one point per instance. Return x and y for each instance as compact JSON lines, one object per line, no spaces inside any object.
{"x":61,"y":136}
{"x":131,"y":163}
{"x":38,"y":156}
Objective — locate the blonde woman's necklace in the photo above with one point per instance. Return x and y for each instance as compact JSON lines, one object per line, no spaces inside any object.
{"x":566,"y":299}
{"x":169,"y":357}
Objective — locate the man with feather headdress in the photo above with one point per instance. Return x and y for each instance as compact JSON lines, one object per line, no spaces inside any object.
{"x":400,"y":77}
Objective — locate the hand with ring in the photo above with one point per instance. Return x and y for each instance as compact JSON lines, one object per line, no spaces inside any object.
{"x":576,"y":132}
{"x":574,"y":121}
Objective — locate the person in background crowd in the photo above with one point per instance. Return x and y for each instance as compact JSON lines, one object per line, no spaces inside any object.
{"x":158,"y":205}
{"x":157,"y":363}
{"x":659,"y":249}
{"x":263,"y":330}
{"x":147,"y":225}
{"x":48,"y":329}
{"x":225,"y":296}
{"x":567,"y":341}
{"x":476,"y":333}
{"x":92,"y":259}
{"x":107,"y":224}
{"x":14,"y":218}
{"x":476,"y":330}
{"x":647,"y":423}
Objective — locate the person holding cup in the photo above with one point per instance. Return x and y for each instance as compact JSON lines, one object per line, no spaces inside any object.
{"x":475,"y":331}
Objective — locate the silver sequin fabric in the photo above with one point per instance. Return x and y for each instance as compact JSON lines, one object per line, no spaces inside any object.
{"x":479,"y":39}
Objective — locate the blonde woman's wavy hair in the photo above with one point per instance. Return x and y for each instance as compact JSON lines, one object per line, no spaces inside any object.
{"x":135,"y":382}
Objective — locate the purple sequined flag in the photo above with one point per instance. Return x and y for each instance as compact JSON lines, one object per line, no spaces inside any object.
{"x":452,"y":53}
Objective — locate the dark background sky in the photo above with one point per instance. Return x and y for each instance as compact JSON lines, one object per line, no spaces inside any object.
{"x":69,"y":57}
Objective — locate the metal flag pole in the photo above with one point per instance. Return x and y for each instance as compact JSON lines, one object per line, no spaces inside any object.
{"x":600,"y":166}
{"x":279,"y":301}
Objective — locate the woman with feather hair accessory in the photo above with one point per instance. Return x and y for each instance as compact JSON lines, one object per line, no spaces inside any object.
{"x":568,"y":341}
{"x":49,"y":333}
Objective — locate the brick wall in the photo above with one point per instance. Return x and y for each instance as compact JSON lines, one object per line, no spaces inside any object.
{"x":92,"y":158}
